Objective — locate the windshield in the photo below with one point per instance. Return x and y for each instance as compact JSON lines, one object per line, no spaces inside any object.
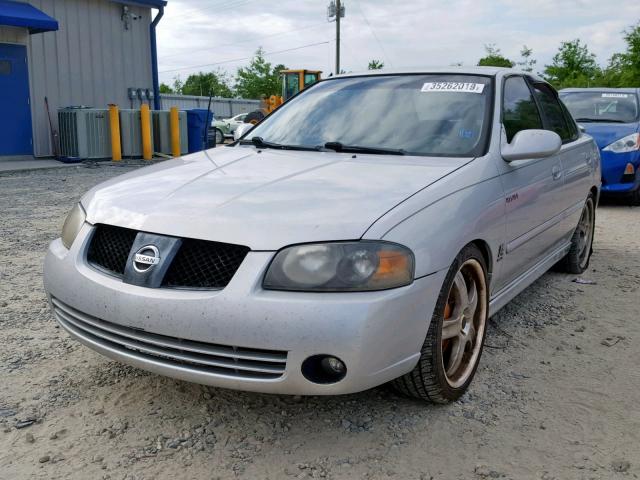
{"x":602,"y":106}
{"x":435,"y":115}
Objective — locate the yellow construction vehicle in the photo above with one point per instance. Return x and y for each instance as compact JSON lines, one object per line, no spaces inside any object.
{"x":292,"y":82}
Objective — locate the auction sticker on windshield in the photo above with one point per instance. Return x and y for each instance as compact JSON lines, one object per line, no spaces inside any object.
{"x":453,"y":87}
{"x":614,"y":95}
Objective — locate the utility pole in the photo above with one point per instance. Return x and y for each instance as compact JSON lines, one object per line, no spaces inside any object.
{"x":335,"y":12}
{"x":338,"y":12}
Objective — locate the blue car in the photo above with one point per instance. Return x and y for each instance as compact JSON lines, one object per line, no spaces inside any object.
{"x":612,"y":117}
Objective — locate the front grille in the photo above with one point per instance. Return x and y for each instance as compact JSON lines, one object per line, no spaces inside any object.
{"x":110,"y":247}
{"x":201,"y":264}
{"x":197,"y":264}
{"x":238,"y":362}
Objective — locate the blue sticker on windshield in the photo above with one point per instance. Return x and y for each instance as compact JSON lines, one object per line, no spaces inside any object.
{"x":465,"y":133}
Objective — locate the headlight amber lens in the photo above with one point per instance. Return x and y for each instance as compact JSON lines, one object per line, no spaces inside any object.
{"x":341,"y":266}
{"x":72,"y":225}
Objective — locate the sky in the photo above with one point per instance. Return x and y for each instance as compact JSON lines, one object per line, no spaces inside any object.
{"x":204,"y":35}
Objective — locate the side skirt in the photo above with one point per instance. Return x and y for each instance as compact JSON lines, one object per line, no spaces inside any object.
{"x":504,"y":296}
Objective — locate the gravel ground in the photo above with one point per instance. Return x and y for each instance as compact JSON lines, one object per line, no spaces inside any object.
{"x":556,"y":395}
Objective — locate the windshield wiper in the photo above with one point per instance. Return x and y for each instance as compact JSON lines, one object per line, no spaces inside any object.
{"x":599,"y":120}
{"x":339,"y":147}
{"x":259,"y":142}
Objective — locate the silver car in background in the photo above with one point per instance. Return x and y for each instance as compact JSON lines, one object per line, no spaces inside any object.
{"x":328,"y":251}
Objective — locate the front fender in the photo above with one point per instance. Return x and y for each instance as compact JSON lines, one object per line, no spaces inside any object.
{"x":438,"y":222}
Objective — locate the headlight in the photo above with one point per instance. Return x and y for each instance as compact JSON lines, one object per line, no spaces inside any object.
{"x":72,"y":225}
{"x":341,"y":266}
{"x":630,"y":143}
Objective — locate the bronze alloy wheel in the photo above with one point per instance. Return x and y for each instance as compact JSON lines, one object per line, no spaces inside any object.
{"x":453,"y":345}
{"x":584,"y":233}
{"x":464,"y":323}
{"x":577,"y":258}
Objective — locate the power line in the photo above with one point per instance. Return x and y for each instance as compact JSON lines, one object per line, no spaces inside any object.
{"x":215,"y":8}
{"x":357,"y":59}
{"x":243,"y":58}
{"x":386,"y":57}
{"x":217,"y":46}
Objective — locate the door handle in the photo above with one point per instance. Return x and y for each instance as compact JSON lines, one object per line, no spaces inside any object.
{"x":588,"y":159}
{"x":556,"y":172}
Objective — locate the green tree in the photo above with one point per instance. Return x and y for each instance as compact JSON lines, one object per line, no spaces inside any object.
{"x":205,"y":84}
{"x":376,"y":64}
{"x":494,"y":58}
{"x":624,"y":68}
{"x":573,"y":66}
{"x":258,"y":79}
{"x":527,"y":62}
{"x":164,"y":88}
{"x":177,"y":85}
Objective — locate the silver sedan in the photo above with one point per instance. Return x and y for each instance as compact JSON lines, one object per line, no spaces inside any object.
{"x":329,"y":251}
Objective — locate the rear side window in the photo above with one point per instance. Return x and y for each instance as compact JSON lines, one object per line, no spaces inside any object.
{"x":553,"y":113}
{"x":519,"y":110}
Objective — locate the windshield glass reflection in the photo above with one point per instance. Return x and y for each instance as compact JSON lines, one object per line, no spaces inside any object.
{"x":602,"y":106}
{"x":435,"y":115}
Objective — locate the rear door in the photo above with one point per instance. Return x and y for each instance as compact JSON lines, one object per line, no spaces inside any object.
{"x":577,"y":157}
{"x":15,"y":133}
{"x":532,"y":187}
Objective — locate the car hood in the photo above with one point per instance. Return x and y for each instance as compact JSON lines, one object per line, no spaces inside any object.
{"x":606,"y":133}
{"x":264,"y":200}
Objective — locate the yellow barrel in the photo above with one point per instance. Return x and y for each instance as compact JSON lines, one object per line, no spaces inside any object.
{"x":175,"y":132}
{"x":114,"y":122}
{"x":145,"y":119}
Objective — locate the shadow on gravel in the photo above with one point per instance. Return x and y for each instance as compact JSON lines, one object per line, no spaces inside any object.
{"x":615,"y":201}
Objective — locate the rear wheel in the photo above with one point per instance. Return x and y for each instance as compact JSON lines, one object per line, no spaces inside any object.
{"x":453,"y":346}
{"x":577,"y":260}
{"x":254,"y":117}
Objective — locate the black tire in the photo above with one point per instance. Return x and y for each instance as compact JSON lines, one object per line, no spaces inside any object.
{"x":254,"y":117}
{"x":634,"y":197}
{"x":219,"y":136}
{"x":579,"y":256}
{"x":429,"y":380}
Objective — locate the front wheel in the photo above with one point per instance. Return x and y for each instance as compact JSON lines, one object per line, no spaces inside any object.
{"x":453,"y":346}
{"x":634,"y":198}
{"x":219,"y":136}
{"x":577,"y":260}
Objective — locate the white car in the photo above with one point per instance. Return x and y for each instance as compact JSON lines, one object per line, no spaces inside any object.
{"x":225,"y":128}
{"x":229,"y":125}
{"x":328,"y":251}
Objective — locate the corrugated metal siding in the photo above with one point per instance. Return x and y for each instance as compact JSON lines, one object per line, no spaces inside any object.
{"x":91,"y":60}
{"x":221,"y":107}
{"x":13,"y":35}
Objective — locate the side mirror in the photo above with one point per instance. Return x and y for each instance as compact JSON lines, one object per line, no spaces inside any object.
{"x":582,"y":129}
{"x":531,"y":144}
{"x":240,"y":130}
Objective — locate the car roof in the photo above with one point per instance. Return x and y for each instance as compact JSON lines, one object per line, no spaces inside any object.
{"x":600,"y":89}
{"x":461,"y":70}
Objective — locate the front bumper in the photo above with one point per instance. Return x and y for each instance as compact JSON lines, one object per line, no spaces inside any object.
{"x":378,"y":335}
{"x":613,"y":165}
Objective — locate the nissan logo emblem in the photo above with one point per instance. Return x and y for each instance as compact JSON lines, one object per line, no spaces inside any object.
{"x":145,"y":258}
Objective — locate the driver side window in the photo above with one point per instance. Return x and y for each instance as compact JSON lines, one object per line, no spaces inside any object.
{"x":519,"y":110}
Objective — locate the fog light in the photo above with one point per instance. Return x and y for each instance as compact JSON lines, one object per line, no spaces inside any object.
{"x":629,"y":175}
{"x":629,"y":170}
{"x":332,"y":365}
{"x":324,"y":369}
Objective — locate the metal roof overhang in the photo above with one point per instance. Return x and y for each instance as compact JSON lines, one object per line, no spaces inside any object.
{"x":20,"y":14}
{"x":143,"y":3}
